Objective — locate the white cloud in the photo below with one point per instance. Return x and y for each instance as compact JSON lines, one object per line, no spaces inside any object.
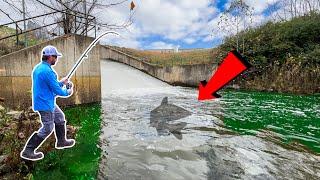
{"x":185,"y":21}
{"x":129,"y":38}
{"x":260,"y":5}
{"x":208,"y":38}
{"x":170,"y":19}
{"x":189,"y":40}
{"x":160,"y":45}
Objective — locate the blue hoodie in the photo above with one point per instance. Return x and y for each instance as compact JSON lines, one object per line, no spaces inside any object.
{"x":45,"y":87}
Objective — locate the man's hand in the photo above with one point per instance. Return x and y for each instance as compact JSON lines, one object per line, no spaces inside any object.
{"x":69,"y":85}
{"x":64,"y":80}
{"x":70,"y":91}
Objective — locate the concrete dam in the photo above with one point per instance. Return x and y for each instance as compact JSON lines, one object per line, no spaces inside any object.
{"x":16,"y":69}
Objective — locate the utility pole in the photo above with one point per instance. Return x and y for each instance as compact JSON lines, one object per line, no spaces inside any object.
{"x":24,"y":22}
{"x":86,"y":17}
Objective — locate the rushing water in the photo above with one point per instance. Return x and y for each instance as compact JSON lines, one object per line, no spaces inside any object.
{"x":247,"y":135}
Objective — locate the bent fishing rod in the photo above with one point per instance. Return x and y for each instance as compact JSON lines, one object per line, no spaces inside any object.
{"x":85,"y":53}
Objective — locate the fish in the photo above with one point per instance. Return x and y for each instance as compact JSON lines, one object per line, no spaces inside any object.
{"x":161,"y":115}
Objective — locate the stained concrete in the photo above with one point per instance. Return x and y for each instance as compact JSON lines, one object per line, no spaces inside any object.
{"x":186,"y":75}
{"x":16,"y":69}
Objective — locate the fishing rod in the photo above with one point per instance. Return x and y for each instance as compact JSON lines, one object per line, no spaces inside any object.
{"x":85,"y":53}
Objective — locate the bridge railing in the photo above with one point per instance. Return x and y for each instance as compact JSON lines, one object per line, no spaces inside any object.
{"x":71,"y":22}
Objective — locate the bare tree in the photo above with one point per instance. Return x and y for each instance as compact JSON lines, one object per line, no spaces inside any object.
{"x":17,"y":10}
{"x":77,"y":16}
{"x":235,"y":16}
{"x":295,"y":8}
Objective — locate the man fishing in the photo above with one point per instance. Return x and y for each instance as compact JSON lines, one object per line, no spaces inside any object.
{"x":45,"y":89}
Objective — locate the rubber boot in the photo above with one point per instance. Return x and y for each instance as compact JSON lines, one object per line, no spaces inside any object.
{"x":29,"y":151}
{"x":61,"y":141}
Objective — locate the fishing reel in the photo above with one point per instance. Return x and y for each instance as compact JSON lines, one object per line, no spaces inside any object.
{"x":69,"y":85}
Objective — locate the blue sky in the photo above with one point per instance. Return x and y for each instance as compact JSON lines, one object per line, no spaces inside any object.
{"x":159,"y":24}
{"x":182,"y":23}
{"x":220,"y":5}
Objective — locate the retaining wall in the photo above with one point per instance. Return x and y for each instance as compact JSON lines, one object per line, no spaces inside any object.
{"x":186,"y":75}
{"x":16,"y":69}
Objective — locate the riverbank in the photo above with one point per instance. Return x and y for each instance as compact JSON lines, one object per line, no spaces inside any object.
{"x":15,"y":129}
{"x":82,"y":160}
{"x":79,"y":161}
{"x":292,"y":77}
{"x":285,"y":55}
{"x":285,"y":58}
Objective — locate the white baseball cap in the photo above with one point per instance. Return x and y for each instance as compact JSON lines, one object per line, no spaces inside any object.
{"x":50,"y":51}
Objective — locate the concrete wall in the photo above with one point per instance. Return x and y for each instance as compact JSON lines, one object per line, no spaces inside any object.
{"x":16,"y":69}
{"x":187,"y":75}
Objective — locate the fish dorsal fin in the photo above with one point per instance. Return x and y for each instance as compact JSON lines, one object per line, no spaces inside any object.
{"x":164,"y":101}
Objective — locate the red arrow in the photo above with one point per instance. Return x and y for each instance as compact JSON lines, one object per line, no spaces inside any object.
{"x":233,"y":65}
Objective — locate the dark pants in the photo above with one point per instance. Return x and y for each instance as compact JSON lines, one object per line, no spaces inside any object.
{"x":48,"y":120}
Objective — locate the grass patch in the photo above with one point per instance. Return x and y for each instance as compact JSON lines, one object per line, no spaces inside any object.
{"x":82,"y":160}
{"x":10,"y":44}
{"x":203,"y":56}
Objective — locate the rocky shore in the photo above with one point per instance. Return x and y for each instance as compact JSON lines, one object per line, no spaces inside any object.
{"x":15,"y":129}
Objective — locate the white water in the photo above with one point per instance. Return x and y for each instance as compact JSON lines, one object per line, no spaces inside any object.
{"x":134,"y":150}
{"x":117,"y":77}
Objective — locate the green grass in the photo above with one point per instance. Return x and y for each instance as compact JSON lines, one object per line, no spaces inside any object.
{"x":10,"y":44}
{"x":82,"y":160}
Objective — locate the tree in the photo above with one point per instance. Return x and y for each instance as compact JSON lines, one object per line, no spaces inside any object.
{"x":235,"y":16}
{"x":77,"y":16}
{"x":295,"y":8}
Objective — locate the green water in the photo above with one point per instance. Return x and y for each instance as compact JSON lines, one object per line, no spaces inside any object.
{"x":82,"y":160}
{"x":292,"y":118}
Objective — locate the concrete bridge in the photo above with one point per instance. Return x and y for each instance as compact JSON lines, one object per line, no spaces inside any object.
{"x":16,"y":68}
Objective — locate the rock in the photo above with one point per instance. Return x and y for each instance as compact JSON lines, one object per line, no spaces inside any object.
{"x":1,"y":135}
{"x":236,"y":86}
{"x":3,"y":158}
{"x":32,"y":115}
{"x":13,"y":126}
{"x":270,"y":90}
{"x":16,"y":115}
{"x":21,"y":135}
{"x":2,"y":108}
{"x":4,"y":169}
{"x":71,"y":129}
{"x":30,"y":110}
{"x":6,"y":125}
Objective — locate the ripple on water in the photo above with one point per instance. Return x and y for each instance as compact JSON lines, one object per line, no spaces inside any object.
{"x":246,"y":135}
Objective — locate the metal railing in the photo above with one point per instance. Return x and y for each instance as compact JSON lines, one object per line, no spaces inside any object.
{"x":89,"y":21}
